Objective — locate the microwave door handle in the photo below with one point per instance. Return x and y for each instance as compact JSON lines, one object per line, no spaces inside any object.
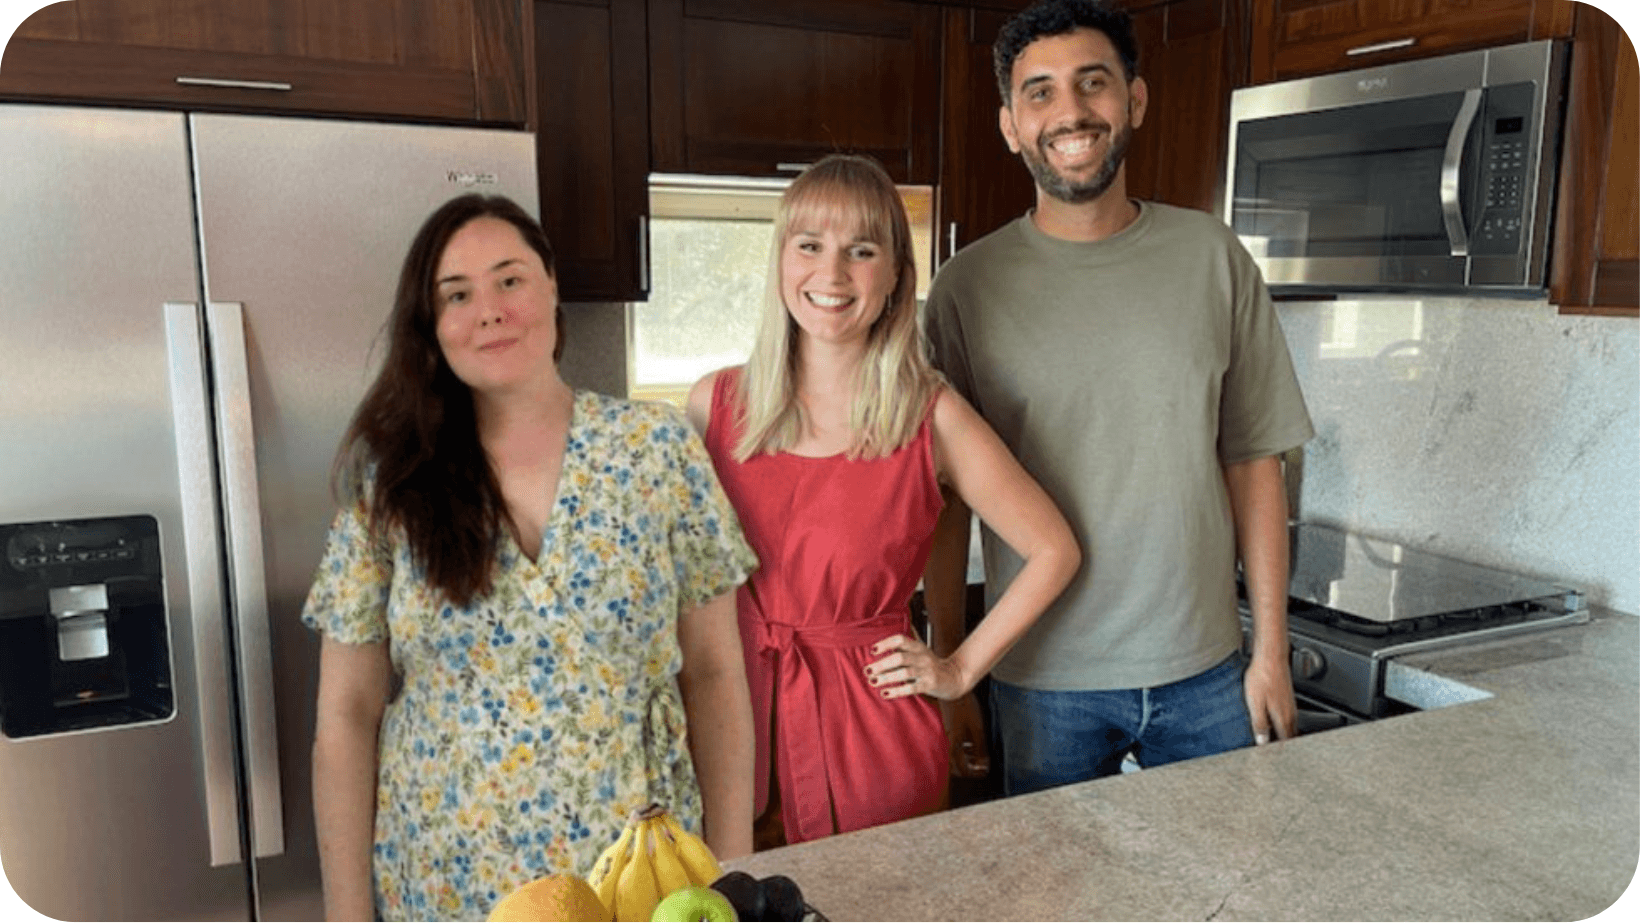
{"x":1451,"y":172}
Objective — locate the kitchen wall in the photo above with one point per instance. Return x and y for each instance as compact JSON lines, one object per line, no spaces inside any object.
{"x":1490,"y":430}
{"x":595,"y":347}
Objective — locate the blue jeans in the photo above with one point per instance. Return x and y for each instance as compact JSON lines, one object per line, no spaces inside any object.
{"x":1050,"y":737}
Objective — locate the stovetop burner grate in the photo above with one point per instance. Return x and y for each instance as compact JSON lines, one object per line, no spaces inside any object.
{"x":1432,"y":626}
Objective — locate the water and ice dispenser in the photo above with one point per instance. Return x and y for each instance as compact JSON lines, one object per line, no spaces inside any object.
{"x":84,"y":642}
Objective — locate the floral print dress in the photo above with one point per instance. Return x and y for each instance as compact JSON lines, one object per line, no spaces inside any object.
{"x":528,"y":724}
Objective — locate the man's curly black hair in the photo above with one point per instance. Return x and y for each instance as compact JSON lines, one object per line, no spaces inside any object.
{"x":1059,"y":17}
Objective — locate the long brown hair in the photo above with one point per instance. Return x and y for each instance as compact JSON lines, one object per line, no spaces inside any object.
{"x":417,"y":426}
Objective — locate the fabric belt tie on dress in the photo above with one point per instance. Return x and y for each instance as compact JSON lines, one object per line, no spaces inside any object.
{"x":805,"y":790}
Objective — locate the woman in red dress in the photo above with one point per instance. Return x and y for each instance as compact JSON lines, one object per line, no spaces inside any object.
{"x":833,"y":443}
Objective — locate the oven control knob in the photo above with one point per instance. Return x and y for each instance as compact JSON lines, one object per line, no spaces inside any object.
{"x":1307,"y":664}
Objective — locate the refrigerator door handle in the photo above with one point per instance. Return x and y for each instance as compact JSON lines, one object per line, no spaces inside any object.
{"x":191,"y":417}
{"x":236,"y":434}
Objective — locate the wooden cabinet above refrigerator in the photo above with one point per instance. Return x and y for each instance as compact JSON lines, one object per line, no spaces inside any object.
{"x":440,"y":60}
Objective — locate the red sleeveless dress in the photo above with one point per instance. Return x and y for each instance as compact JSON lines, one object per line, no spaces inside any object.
{"x":842,"y":544}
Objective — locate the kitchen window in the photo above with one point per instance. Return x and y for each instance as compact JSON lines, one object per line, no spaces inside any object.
{"x":709,"y":240}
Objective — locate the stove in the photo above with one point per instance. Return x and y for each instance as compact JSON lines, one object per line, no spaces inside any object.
{"x":1356,"y":602}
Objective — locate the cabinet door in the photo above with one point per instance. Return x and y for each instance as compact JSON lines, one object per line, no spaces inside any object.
{"x":592,"y":148}
{"x":437,"y":59}
{"x":1295,"y":38}
{"x":754,"y":88}
{"x":983,"y":185}
{"x":1595,"y":268}
{"x":1190,"y":56}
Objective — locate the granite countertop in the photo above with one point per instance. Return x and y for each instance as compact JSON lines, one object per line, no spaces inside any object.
{"x":1523,"y":805}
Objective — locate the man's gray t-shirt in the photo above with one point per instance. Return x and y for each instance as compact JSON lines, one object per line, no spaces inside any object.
{"x":1123,"y":374}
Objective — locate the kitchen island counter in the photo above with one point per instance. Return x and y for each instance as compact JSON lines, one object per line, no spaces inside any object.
{"x":1524,"y":805}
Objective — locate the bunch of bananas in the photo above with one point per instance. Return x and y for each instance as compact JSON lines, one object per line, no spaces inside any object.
{"x":653,"y":857}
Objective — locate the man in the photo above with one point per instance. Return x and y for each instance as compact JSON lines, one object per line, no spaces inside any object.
{"x":1129,"y":356}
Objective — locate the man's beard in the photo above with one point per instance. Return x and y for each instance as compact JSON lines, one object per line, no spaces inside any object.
{"x":1057,"y":186}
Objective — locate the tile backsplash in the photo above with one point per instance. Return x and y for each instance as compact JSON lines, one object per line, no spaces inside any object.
{"x":1494,"y":431}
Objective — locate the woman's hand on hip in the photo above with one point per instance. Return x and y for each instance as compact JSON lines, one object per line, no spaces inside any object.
{"x":910,"y":668}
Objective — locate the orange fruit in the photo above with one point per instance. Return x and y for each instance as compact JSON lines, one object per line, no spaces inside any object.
{"x":560,"y":897}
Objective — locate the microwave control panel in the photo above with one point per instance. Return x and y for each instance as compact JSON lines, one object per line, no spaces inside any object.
{"x":1506,"y":170}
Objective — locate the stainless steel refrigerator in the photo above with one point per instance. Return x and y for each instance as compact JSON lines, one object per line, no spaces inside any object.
{"x":190,"y":307}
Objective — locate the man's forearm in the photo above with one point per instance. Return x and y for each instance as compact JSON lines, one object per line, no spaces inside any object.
{"x":1258,"y":501}
{"x":945,"y":578}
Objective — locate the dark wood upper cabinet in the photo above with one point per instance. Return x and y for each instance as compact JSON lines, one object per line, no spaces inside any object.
{"x":1297,"y":38}
{"x":1191,"y":57}
{"x":592,"y":118}
{"x":1595,"y":265}
{"x":440,"y":60}
{"x":983,"y":185}
{"x":753,"y":88}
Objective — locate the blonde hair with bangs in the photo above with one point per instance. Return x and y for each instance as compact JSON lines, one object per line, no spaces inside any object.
{"x":895,"y":382}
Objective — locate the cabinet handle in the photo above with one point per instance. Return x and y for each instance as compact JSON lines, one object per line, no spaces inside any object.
{"x":643,"y":253}
{"x":792,"y":168}
{"x":1381,"y":46}
{"x":234,"y":84}
{"x":951,"y":240}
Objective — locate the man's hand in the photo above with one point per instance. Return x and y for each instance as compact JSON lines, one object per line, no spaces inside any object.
{"x":965,"y":729}
{"x":1268,"y":686}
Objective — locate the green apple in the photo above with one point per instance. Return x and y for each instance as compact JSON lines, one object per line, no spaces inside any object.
{"x":695,"y":903}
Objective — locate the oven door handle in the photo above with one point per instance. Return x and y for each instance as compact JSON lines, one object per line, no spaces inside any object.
{"x":1457,"y":234}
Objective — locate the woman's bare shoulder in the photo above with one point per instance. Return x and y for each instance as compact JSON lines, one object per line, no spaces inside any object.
{"x":700,"y":398}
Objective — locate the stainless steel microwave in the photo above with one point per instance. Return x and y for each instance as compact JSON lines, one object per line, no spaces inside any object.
{"x":1425,"y":176}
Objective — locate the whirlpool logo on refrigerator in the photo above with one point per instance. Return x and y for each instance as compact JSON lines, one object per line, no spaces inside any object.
{"x":470,"y":179}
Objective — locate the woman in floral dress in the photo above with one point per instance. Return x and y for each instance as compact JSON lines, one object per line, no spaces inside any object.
{"x":526,"y":603}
